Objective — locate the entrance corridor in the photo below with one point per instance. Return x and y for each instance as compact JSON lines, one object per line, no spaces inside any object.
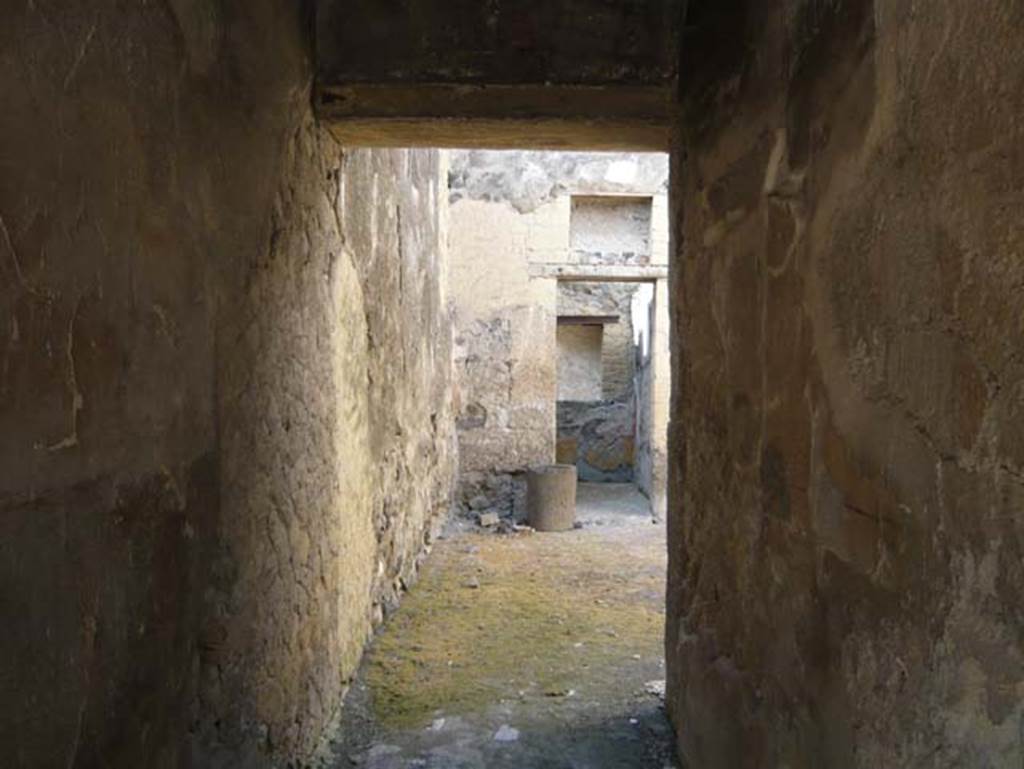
{"x":524,"y":649}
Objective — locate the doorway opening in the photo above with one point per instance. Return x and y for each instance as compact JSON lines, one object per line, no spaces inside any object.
{"x":604,"y":381}
{"x":604,"y":410}
{"x":516,"y":645}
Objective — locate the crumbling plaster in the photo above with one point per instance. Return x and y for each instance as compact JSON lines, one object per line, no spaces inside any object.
{"x":225,"y":386}
{"x":847,"y":484}
{"x":338,"y":451}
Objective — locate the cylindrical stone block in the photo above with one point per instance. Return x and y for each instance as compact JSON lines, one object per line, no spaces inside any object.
{"x":551,"y":497}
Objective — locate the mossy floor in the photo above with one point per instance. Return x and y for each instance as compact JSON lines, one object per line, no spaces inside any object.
{"x":555,"y":637}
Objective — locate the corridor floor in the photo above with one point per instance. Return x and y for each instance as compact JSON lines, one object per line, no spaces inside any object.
{"x":525,"y":650}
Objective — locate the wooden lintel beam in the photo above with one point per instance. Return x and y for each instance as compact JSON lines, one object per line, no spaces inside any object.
{"x":599,"y":273}
{"x":587,"y":320}
{"x":526,"y":116}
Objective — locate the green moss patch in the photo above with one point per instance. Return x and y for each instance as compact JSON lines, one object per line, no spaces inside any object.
{"x":547,"y":612}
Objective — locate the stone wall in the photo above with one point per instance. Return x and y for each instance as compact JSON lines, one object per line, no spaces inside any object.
{"x":201,"y":507}
{"x":846,"y":532}
{"x":510,"y":214}
{"x":598,"y":437}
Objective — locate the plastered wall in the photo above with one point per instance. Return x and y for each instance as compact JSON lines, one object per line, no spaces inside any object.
{"x":847,"y":484}
{"x":505,"y":349}
{"x":338,"y":451}
{"x":225,"y":421}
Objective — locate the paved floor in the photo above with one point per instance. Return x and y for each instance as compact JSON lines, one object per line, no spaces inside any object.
{"x":524,"y":651}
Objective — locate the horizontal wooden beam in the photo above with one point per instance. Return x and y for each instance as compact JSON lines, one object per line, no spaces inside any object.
{"x":587,"y":320}
{"x":600,"y":273}
{"x":498,"y":116}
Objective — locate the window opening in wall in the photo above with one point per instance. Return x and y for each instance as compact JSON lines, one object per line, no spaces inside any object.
{"x":611,"y":229}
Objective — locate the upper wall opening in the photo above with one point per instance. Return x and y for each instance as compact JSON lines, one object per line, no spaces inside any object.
{"x":611,"y":229}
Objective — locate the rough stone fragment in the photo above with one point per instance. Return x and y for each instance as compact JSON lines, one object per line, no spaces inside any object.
{"x":489,"y":519}
{"x":506,"y":733}
{"x":657,"y":688}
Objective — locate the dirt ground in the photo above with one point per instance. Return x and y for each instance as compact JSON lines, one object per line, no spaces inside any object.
{"x":523,"y":650}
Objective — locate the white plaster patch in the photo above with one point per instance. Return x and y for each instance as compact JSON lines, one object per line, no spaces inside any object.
{"x":621,"y":172}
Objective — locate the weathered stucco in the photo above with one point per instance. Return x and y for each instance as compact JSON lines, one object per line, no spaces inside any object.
{"x":207,"y":311}
{"x":846,"y":528}
{"x":504,"y":350}
{"x":337,"y":453}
